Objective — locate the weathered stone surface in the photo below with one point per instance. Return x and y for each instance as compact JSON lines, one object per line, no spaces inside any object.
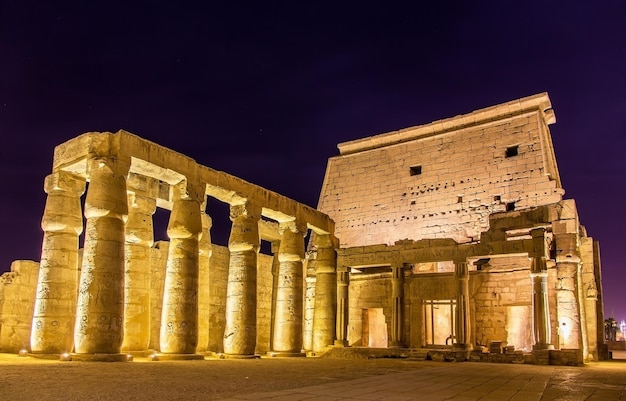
{"x":453,"y":235}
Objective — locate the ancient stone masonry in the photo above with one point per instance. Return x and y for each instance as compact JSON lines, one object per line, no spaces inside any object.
{"x":450,"y":237}
{"x":129,"y":295}
{"x":472,"y":207}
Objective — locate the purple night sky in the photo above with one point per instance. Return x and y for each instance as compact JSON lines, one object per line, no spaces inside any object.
{"x":266,"y":90}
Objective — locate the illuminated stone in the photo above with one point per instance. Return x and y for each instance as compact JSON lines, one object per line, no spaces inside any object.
{"x":204,"y":284}
{"x":55,"y":303}
{"x":100,"y":306}
{"x":240,"y":332}
{"x":139,"y":240}
{"x":179,"y":321}
{"x":287,"y":334}
{"x":325,"y":267}
{"x":441,"y":226}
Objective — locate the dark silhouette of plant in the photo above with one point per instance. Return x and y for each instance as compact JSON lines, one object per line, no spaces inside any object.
{"x":610,"y":329}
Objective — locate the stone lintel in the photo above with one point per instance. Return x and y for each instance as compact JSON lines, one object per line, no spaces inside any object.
{"x":170,"y":167}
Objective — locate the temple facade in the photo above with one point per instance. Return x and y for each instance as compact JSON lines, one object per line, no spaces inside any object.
{"x":450,"y":236}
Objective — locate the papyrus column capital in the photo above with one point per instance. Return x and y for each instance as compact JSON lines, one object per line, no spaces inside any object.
{"x":62,"y":212}
{"x":107,"y":188}
{"x":244,"y":234}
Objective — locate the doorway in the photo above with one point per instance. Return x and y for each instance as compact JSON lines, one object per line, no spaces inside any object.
{"x":374,"y":328}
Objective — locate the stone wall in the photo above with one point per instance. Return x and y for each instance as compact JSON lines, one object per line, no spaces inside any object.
{"x":367,"y":291}
{"x":17,"y":294}
{"x":442,"y":183}
{"x":501,"y":298}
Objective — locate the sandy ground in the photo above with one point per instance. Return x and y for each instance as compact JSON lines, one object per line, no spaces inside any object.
{"x":25,"y":378}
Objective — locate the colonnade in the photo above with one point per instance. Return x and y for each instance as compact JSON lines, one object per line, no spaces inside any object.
{"x":536,"y":249}
{"x":106,"y":311}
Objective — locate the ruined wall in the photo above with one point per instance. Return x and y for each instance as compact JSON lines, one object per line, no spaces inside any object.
{"x":439,"y":184}
{"x":17,"y":295}
{"x":367,"y":291}
{"x":422,"y":287}
{"x":590,"y":295}
{"x":501,"y":298}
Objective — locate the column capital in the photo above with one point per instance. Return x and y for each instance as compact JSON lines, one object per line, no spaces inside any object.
{"x":538,"y":266}
{"x":64,"y":182}
{"x":142,"y":204}
{"x":106,"y":196}
{"x":142,"y":185}
{"x":189,"y":190}
{"x":295,"y":226}
{"x":461,"y":269}
{"x":245,"y":210}
{"x":540,"y":246}
{"x":185,"y":220}
{"x":244,"y":233}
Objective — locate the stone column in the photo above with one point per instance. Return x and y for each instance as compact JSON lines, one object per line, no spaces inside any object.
{"x":55,"y":300}
{"x":343,"y":280}
{"x":275,"y":269}
{"x":309,"y":308}
{"x":324,"y":315}
{"x":240,"y":331}
{"x":204,"y":300}
{"x":100,"y":307}
{"x":541,"y":308}
{"x":139,"y":240}
{"x":568,"y":309}
{"x":289,"y":292}
{"x":463,"y":339}
{"x":179,"y":317}
{"x":397,"y":307}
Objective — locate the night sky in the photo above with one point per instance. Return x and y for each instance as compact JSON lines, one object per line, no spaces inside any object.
{"x":266,"y":90}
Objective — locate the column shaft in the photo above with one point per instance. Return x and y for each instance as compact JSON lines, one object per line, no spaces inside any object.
{"x":289,"y":296}
{"x":139,"y":240}
{"x":542,"y":333}
{"x":324,"y":263}
{"x":240,"y":330}
{"x":343,"y":280}
{"x":204,"y":299}
{"x":462,"y":306}
{"x":397,"y":311}
{"x":179,"y":318}
{"x":55,"y":300}
{"x":541,"y":312}
{"x":100,"y":306}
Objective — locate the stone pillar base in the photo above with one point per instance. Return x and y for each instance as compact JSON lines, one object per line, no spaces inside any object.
{"x":539,"y":347}
{"x":176,"y":357}
{"x":462,"y":347}
{"x":42,"y":355}
{"x":278,"y":354}
{"x":341,"y":343}
{"x":235,"y":356}
{"x":141,"y":354}
{"x":96,"y":357}
{"x":541,"y":356}
{"x":397,"y":344}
